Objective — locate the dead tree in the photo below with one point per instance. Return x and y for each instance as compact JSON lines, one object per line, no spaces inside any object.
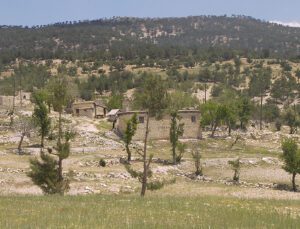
{"x":24,"y":126}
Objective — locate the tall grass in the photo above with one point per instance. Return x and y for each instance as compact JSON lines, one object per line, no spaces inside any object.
{"x":151,"y":212}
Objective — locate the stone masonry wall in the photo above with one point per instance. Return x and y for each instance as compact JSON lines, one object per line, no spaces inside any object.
{"x":160,"y":129}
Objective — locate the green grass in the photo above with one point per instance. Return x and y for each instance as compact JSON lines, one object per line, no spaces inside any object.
{"x":213,"y":148}
{"x":104,"y":125}
{"x":151,"y":212}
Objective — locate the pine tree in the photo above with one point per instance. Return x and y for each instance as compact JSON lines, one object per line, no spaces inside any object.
{"x":291,"y":158}
{"x":176,"y":131}
{"x":129,"y":133}
{"x":40,"y":115}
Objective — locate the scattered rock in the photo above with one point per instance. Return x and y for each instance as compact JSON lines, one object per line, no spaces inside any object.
{"x":2,"y":153}
{"x":270,"y":160}
{"x":124,"y":176}
{"x":88,"y":190}
{"x":115,"y":190}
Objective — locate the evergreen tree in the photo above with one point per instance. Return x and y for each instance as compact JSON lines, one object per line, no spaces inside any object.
{"x":47,"y":172}
{"x":176,"y":131}
{"x":129,"y":133}
{"x":291,"y":158}
{"x":40,"y":115}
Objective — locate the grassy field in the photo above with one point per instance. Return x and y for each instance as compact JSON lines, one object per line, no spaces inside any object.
{"x":152,"y":212}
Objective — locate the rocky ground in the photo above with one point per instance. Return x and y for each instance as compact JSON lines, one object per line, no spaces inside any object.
{"x":262,"y":175}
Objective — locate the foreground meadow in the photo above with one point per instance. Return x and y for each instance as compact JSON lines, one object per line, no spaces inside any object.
{"x":127,"y":211}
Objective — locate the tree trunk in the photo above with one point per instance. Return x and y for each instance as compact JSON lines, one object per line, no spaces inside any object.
{"x":60,"y":170}
{"x":145,"y":174}
{"x":260,"y":116}
{"x":20,"y":143}
{"x":60,"y":177}
{"x":59,"y":128}
{"x":213,"y":130}
{"x":205,"y":93}
{"x":42,"y":141}
{"x":128,"y":153}
{"x":11,"y":123}
{"x":174,"y":153}
{"x":229,"y":130}
{"x":294,"y":183}
{"x":291,"y":130}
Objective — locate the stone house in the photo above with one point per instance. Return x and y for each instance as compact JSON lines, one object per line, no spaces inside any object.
{"x":6,"y":101}
{"x":88,"y":109}
{"x":100,"y":109}
{"x":160,"y":129}
{"x":21,"y":98}
{"x":24,"y":95}
{"x":113,"y":115}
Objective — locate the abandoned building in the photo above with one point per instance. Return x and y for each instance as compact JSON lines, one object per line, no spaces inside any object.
{"x":6,"y":101}
{"x":24,"y":95}
{"x":20,"y":98}
{"x":113,"y":115}
{"x":89,"y":109}
{"x":160,"y":129}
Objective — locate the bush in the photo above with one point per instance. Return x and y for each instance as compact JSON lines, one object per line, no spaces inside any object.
{"x":156,"y":185}
{"x":216,"y":91}
{"x":102,"y":162}
{"x":278,"y":124}
{"x":236,"y":167}
{"x":44,"y":173}
{"x":271,"y":112}
{"x":197,"y":159}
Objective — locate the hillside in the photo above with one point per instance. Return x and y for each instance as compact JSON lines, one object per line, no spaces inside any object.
{"x":156,"y":38}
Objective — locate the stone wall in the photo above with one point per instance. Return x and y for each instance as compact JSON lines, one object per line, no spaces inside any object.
{"x":160,"y":129}
{"x":100,"y":112}
{"x":86,"y":108}
{"x":6,"y":101}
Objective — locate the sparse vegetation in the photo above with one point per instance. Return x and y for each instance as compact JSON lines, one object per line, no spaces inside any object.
{"x":249,"y":102}
{"x":197,"y":160}
{"x":236,"y":167}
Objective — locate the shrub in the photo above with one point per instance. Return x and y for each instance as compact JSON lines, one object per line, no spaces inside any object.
{"x":278,"y":124}
{"x":44,"y":173}
{"x":102,"y":162}
{"x":236,"y":167}
{"x":197,"y":159}
{"x":291,"y":158}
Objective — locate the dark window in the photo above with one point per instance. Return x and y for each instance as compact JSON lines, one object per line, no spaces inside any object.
{"x":141,"y":119}
{"x":77,"y":111}
{"x":193,"y":118}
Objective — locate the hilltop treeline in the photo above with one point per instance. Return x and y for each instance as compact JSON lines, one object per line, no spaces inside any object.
{"x":139,"y":39}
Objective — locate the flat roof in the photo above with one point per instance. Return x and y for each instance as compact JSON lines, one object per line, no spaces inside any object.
{"x":83,"y":102}
{"x":85,"y":108}
{"x":113,"y":112}
{"x":145,"y":112}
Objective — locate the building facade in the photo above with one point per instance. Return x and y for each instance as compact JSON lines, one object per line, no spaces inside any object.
{"x":88,"y":109}
{"x":160,"y":129}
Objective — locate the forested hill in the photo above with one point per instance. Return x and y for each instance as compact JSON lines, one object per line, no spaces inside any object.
{"x":160,"y":38}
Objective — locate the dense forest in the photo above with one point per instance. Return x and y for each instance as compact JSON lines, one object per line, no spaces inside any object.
{"x":139,"y":39}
